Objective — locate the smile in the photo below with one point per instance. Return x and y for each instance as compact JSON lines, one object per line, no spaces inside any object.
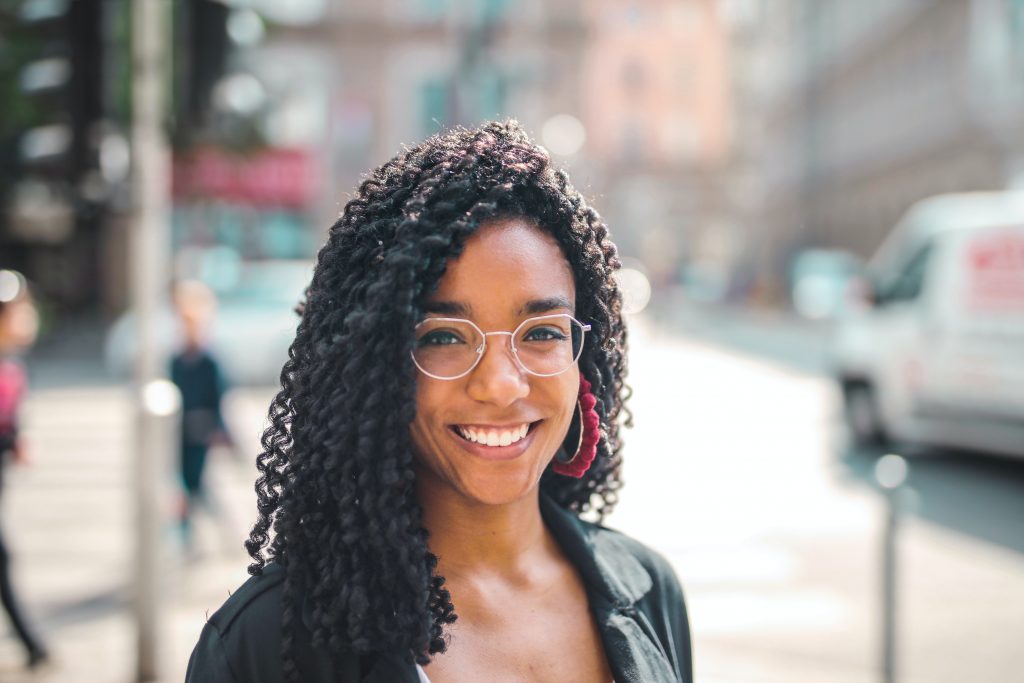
{"x":493,"y":436}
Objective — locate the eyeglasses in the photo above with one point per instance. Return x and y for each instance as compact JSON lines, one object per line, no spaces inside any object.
{"x":449,"y":348}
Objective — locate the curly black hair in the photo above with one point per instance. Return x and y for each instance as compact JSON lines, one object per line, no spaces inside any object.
{"x":336,"y":500}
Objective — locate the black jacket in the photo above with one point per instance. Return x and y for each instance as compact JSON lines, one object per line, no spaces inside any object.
{"x":633,"y":594}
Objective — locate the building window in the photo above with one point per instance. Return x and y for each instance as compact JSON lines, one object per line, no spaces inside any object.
{"x":435,"y":105}
{"x":634,"y":75}
{"x":633,"y":142}
{"x":431,"y":11}
{"x":492,"y":93}
{"x":493,"y":11}
{"x":1016,"y":11}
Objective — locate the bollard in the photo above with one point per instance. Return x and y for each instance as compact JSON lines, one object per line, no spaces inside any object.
{"x":156,"y":443}
{"x":890,"y":473}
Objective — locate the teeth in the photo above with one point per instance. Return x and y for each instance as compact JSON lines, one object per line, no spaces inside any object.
{"x":494,"y":437}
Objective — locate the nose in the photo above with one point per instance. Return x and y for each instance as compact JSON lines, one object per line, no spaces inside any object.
{"x":497,"y":378}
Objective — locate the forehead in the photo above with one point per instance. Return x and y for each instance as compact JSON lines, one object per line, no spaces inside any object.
{"x":505,"y":264}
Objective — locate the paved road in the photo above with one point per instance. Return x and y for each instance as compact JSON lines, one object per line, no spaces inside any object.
{"x":735,"y":471}
{"x":739,"y":471}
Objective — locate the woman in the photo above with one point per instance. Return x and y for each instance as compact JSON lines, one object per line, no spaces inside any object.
{"x":18,"y":326}
{"x":449,"y":408}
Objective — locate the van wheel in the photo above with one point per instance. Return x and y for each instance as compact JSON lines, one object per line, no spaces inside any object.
{"x":861,"y":412}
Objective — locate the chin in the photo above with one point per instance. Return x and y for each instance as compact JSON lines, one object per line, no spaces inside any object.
{"x":498,"y":492}
{"x":490,"y":484}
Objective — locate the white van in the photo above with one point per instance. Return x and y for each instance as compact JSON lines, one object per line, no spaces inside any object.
{"x":936,"y":354}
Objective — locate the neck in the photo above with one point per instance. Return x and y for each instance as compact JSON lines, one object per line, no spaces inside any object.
{"x":477,"y":539}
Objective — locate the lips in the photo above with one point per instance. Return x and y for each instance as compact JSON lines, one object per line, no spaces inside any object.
{"x":494,"y":442}
{"x":493,"y":436}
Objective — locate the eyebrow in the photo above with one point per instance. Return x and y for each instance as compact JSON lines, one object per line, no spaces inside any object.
{"x":545,"y":305}
{"x":532,"y":307}
{"x":449,"y":308}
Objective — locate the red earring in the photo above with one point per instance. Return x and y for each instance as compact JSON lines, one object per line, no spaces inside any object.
{"x":590,"y":433}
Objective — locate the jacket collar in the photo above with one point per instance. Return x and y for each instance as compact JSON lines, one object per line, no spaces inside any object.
{"x":615,"y":581}
{"x":608,"y":566}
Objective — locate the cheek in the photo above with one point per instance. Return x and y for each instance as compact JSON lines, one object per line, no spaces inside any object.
{"x":435,"y":401}
{"x":421,"y":425}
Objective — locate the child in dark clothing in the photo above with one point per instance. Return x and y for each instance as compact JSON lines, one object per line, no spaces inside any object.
{"x":17,"y":332}
{"x":199,"y":378}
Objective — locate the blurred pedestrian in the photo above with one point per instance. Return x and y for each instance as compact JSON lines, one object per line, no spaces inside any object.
{"x":18,"y":324}
{"x":199,"y":377}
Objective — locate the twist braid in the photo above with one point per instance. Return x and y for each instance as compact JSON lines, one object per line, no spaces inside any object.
{"x":335,"y":496}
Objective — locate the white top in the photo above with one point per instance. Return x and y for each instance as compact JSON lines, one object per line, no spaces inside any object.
{"x":423,"y":674}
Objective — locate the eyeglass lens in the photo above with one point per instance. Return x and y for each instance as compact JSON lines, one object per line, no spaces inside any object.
{"x":544,"y":346}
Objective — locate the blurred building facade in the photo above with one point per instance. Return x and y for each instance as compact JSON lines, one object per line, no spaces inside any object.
{"x":58,"y":162}
{"x":633,"y":97}
{"x":656,"y":104}
{"x":65,"y":156}
{"x":853,"y":111}
{"x":277,"y":109}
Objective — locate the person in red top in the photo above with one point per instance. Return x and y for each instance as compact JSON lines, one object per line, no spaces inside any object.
{"x":17,"y":332}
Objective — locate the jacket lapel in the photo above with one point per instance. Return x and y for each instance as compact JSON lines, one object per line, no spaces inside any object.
{"x":615,"y":582}
{"x":634,"y":655}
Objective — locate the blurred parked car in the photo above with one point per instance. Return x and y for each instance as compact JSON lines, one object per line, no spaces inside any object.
{"x":254,"y":324}
{"x":937,"y":354}
{"x":821,"y":280}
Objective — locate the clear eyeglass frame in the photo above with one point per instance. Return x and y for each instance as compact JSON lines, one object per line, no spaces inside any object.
{"x":584,"y":328}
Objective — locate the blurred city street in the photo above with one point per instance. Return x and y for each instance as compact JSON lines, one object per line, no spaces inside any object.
{"x":736,"y":471}
{"x":819,"y":210}
{"x":69,"y":517}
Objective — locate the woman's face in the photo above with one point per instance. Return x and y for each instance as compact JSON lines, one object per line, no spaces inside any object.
{"x":509,"y":270}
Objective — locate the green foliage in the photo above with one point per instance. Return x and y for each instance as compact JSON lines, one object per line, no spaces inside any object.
{"x":19,"y":45}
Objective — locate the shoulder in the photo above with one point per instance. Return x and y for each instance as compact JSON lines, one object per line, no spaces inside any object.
{"x":610,"y":542}
{"x":242,"y":640}
{"x":662,"y":574}
{"x":259,"y":597}
{"x":609,"y":558}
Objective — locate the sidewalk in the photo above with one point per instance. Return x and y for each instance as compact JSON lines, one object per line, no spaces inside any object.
{"x":68,"y":519}
{"x":774,"y":336}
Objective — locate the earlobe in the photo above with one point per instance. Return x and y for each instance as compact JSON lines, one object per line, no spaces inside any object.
{"x":589,"y":434}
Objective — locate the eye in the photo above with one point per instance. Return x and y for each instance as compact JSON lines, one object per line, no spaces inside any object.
{"x":544,"y":333}
{"x":440,"y":338}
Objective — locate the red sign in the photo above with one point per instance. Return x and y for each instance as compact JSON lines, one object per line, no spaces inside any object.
{"x":996,"y":271}
{"x":270,"y":177}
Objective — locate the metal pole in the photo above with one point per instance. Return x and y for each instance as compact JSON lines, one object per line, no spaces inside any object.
{"x":889,"y":591}
{"x":157,"y":400}
{"x":158,"y":418}
{"x":890,"y":473}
